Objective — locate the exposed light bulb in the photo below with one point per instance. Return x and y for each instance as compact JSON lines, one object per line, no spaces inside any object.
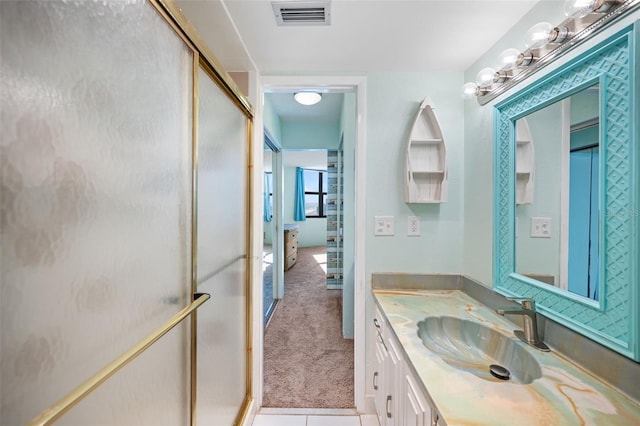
{"x":307,"y":98}
{"x":579,"y":8}
{"x":538,"y":35}
{"x":508,"y":58}
{"x":484,"y":78}
{"x":469,"y":90}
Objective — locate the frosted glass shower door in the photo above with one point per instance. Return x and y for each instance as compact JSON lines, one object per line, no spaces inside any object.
{"x":222,"y":255}
{"x":96,"y":117}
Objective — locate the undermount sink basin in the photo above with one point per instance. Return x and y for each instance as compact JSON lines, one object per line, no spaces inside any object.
{"x":478,"y":349}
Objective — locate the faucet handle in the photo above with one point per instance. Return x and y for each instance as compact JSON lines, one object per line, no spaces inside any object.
{"x":526,"y":302}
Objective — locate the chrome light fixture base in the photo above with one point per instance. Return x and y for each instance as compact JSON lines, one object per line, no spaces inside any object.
{"x":562,"y":39}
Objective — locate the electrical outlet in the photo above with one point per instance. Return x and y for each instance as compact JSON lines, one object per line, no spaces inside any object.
{"x":413,"y":226}
{"x":383,"y":225}
{"x":540,"y":227}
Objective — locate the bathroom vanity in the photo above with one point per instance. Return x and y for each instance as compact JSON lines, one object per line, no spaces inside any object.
{"x":425,"y":375}
{"x":399,"y":396}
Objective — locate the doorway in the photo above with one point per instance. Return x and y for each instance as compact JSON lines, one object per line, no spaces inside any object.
{"x":308,"y":362}
{"x":353,"y":292}
{"x":584,"y":175}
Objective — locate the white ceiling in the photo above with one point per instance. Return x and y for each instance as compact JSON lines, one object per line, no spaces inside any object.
{"x":364,"y":36}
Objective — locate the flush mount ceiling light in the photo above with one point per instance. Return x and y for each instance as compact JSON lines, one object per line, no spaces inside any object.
{"x":307,"y":98}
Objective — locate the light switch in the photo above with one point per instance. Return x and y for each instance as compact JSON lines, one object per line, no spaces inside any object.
{"x":383,"y":225}
{"x":540,"y":227}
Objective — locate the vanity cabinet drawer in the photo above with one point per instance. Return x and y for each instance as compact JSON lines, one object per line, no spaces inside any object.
{"x":290,"y":248}
{"x":290,"y":235}
{"x":290,"y":261}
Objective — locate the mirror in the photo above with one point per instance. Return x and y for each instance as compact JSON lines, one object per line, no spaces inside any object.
{"x":557,"y":194}
{"x":271,"y":216}
{"x":580,"y":193}
{"x":268,"y":300}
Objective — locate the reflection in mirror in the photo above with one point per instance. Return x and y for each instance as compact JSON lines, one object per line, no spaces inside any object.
{"x":267,"y":247}
{"x":557,"y":197}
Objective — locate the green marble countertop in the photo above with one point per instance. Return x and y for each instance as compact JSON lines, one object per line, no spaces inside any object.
{"x":564,"y":395}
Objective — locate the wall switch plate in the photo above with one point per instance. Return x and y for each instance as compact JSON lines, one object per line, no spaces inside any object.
{"x":540,"y":227}
{"x":413,"y":226}
{"x":383,"y":225}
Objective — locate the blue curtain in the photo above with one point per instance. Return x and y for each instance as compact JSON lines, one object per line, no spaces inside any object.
{"x":267,"y":197}
{"x":299,"y":212}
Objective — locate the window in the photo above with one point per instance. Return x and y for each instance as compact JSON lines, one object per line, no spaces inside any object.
{"x":315,"y":193}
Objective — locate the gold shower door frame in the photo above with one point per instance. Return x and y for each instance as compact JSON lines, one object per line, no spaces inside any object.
{"x":202,"y":58}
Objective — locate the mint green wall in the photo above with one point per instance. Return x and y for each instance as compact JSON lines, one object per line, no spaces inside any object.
{"x":392,"y":102}
{"x":310,"y":135}
{"x":313,"y":231}
{"x":348,"y":130}
{"x":271,"y":121}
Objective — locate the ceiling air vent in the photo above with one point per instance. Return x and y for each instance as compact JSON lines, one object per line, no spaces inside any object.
{"x":302,"y":12}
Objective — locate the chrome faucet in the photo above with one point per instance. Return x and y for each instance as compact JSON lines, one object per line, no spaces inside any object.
{"x":529,"y":334}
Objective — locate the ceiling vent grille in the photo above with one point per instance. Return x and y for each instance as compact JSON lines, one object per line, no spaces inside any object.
{"x":302,"y":13}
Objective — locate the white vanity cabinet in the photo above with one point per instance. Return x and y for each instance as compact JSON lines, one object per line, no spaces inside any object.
{"x":416,"y":410}
{"x":399,"y":398}
{"x":387,"y":370}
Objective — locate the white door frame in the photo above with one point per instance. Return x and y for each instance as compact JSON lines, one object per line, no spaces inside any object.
{"x":355,"y":84}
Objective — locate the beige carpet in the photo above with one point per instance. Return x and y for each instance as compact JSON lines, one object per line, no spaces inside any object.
{"x":307,"y":363}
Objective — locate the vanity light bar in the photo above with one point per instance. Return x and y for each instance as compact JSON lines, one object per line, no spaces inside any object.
{"x":559,"y":40}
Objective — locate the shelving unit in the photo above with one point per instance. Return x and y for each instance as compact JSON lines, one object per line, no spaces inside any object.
{"x":426,"y":159}
{"x":290,"y":245}
{"x":525,"y":165}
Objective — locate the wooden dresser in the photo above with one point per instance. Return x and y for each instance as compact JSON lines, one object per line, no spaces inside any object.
{"x":290,"y":245}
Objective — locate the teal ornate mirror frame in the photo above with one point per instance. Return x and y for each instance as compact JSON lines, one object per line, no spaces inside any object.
{"x":614,"y":319}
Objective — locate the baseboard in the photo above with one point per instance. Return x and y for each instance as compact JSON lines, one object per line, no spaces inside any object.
{"x":369,"y":404}
{"x":250,"y":413}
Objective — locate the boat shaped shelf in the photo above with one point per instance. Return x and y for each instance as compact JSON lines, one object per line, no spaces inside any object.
{"x":426,"y":162}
